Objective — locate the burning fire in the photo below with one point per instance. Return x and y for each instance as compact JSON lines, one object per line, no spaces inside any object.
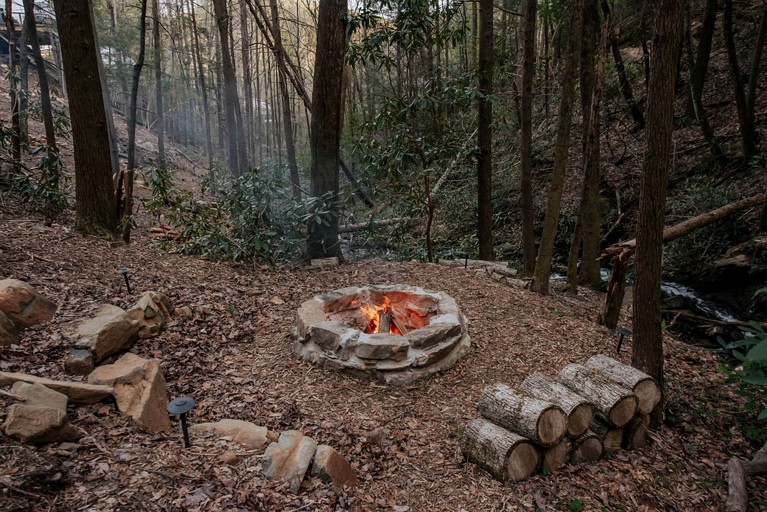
{"x":374,"y":312}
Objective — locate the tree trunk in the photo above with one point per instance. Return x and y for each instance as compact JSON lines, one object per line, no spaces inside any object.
{"x":128,"y":211}
{"x":42,"y":75}
{"x":94,"y":195}
{"x":205,"y":103}
{"x":12,"y":89}
{"x":540,"y":282}
{"x":24,"y":83}
{"x":485,"y":132}
{"x":617,"y":403}
{"x":578,"y":409}
{"x":282,"y":73}
{"x":644,"y":387}
{"x":647,"y":347}
{"x":587,"y":448}
{"x":526,"y":139}
{"x":699,"y":68}
{"x":157,"y":46}
{"x":230,"y":87}
{"x":327,"y":123}
{"x":539,"y":420}
{"x":504,"y":454}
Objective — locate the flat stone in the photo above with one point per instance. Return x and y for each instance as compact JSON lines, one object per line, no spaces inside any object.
{"x":331,"y":467}
{"x":308,"y":314}
{"x":8,"y":334}
{"x":289,"y":458}
{"x":78,"y":392}
{"x":436,"y":352}
{"x":40,"y":396}
{"x":109,"y":332}
{"x":433,"y":334}
{"x":410,"y":375}
{"x":23,"y":305}
{"x":382,"y":346}
{"x":129,"y":369}
{"x":78,"y":362}
{"x":328,"y":335}
{"x":184,"y":311}
{"x":35,"y":424}
{"x":245,"y":433}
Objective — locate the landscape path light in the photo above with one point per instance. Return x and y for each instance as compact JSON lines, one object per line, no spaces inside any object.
{"x":181,"y":406}
{"x":124,"y":273}
{"x":623,"y":332}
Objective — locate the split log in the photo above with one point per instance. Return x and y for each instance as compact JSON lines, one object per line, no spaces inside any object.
{"x":617,"y":403}
{"x":503,"y":454}
{"x":556,"y":456}
{"x":611,"y":437}
{"x":587,"y":447}
{"x":384,"y":321}
{"x":644,"y":387}
{"x":635,"y":434}
{"x":579,"y":410}
{"x":541,"y":421}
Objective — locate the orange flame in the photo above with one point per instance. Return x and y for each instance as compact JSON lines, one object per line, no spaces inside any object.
{"x":371,"y":312}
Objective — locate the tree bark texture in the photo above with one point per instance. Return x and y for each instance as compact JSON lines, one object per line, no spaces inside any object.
{"x":587,"y":447}
{"x":526,"y":139}
{"x":578,"y":409}
{"x":94,"y":195}
{"x":540,"y":282}
{"x":699,"y":68}
{"x":617,"y":403}
{"x":485,"y":133}
{"x":160,"y":114}
{"x":647,"y":347}
{"x":504,"y":454}
{"x":42,"y":75}
{"x":327,"y":123}
{"x":538,"y":420}
{"x":644,"y":387}
{"x":12,"y":90}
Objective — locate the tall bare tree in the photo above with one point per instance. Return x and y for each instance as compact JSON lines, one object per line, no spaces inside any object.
{"x":42,"y":75}
{"x":13,"y":89}
{"x":485,"y":132}
{"x":647,"y":350}
{"x":526,"y":136}
{"x":157,"y":46}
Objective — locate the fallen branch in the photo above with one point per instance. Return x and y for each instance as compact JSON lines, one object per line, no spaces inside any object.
{"x":686,"y":315}
{"x":737,"y":470}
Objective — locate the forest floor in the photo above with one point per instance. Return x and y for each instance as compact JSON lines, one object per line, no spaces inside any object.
{"x":236,"y":362}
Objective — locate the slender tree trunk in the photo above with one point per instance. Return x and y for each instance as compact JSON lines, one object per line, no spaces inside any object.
{"x":42,"y":76}
{"x":230,"y":86}
{"x":745,"y":114}
{"x":13,"y":92}
{"x":205,"y":102}
{"x":247,"y":80}
{"x":647,"y":350}
{"x":24,"y":96}
{"x":540,"y":282}
{"x":128,"y":211}
{"x":94,"y":198}
{"x":699,"y":68}
{"x":282,"y":73}
{"x":327,"y":122}
{"x":526,"y":136}
{"x":157,"y":45}
{"x":485,"y":133}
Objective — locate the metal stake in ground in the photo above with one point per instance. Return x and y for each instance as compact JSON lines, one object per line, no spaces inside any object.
{"x":622,"y":332}
{"x":124,"y":273}
{"x":181,"y":406}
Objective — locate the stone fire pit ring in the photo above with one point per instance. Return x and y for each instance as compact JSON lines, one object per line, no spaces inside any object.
{"x":333,"y":330}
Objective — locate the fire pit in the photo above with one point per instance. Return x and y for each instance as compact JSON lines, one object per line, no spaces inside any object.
{"x":398,"y":334}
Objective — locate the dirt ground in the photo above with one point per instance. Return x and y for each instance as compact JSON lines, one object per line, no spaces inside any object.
{"x":235,"y":361}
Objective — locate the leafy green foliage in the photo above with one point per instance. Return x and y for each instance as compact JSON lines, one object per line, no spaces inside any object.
{"x":751,"y":373}
{"x":44,"y":188}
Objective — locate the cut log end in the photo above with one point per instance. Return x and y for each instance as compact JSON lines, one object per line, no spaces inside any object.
{"x":613,"y":439}
{"x":635,"y":435}
{"x":523,"y":461}
{"x":579,"y":420}
{"x":649,"y":395}
{"x":556,"y":456}
{"x":623,"y":411}
{"x":552,"y":425}
{"x":588,"y":448}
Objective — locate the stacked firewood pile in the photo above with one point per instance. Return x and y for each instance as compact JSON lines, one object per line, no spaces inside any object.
{"x":585,"y":412}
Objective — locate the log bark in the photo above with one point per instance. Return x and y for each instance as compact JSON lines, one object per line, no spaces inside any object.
{"x":644,"y":387}
{"x":617,"y":403}
{"x":556,"y":456}
{"x":737,"y":500}
{"x":579,"y":410}
{"x":504,"y":454}
{"x":612,"y":438}
{"x":384,"y":321}
{"x":541,"y":421}
{"x":587,"y":447}
{"x":635,"y":434}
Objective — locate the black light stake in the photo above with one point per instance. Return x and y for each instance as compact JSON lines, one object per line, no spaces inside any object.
{"x":124,"y":272}
{"x":181,"y":406}
{"x":622,"y":332}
